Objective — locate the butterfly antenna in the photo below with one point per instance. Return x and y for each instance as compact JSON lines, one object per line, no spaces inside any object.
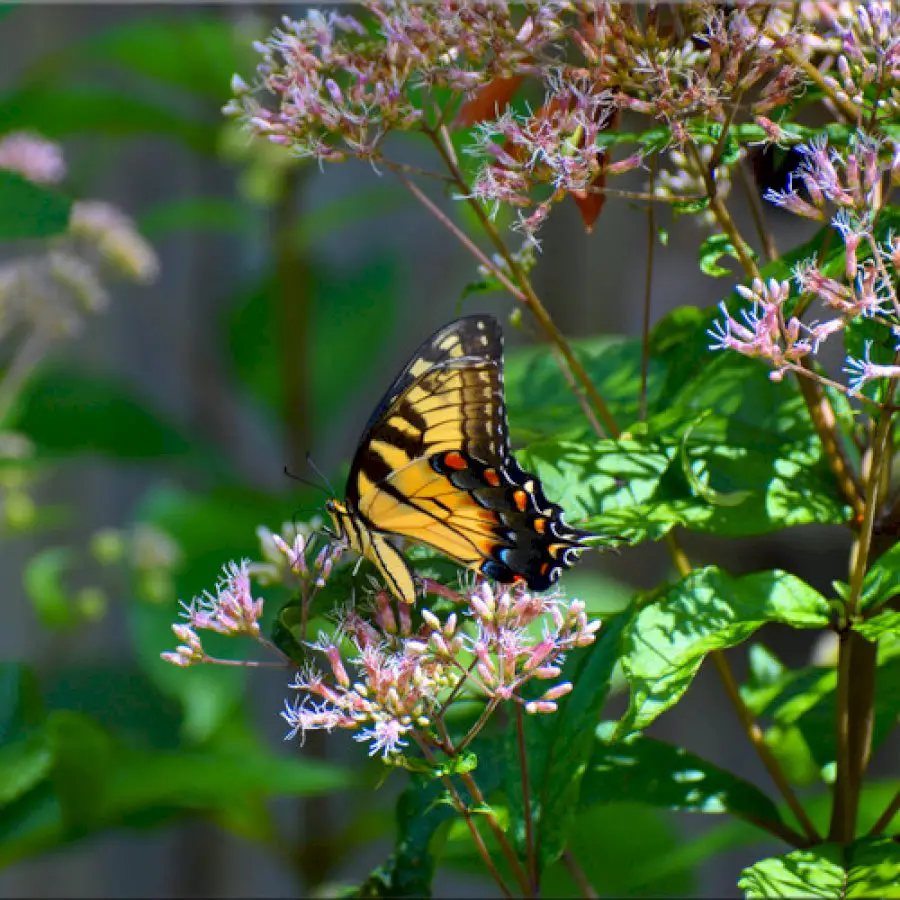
{"x":305,"y":481}
{"x":318,"y":471}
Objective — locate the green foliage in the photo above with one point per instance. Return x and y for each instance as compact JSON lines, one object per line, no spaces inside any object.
{"x":670,"y":633}
{"x":67,"y":413}
{"x":709,"y":442}
{"x":865,"y":869}
{"x":350,"y":309}
{"x":801,"y":704}
{"x":86,"y":109}
{"x":557,"y":749}
{"x":724,"y":450}
{"x":659,"y":774}
{"x":712,"y":250}
{"x":28,"y":210}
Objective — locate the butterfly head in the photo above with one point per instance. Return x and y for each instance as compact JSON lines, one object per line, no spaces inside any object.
{"x":346,"y":524}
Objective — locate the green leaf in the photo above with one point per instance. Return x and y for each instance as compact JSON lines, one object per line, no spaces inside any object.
{"x":874,"y":869}
{"x":801,"y":703}
{"x":541,"y":403}
{"x":421,"y":814}
{"x":197,"y":214}
{"x":874,"y":797}
{"x":101,"y":782}
{"x":43,"y":582}
{"x":83,"y":759}
{"x":21,"y":706}
{"x":724,"y":450}
{"x":615,"y":846}
{"x":29,"y":210}
{"x":818,"y":872}
{"x":68,"y":413}
{"x":884,"y":624}
{"x":712,"y":250}
{"x":645,"y":770}
{"x":669,"y":635}
{"x":58,"y":112}
{"x":558,"y":746}
{"x":197,"y":54}
{"x":121,"y":699}
{"x":882,"y":581}
{"x":871,"y":869}
{"x":24,"y":763}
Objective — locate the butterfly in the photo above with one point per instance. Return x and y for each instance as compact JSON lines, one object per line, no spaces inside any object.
{"x":434,"y":466}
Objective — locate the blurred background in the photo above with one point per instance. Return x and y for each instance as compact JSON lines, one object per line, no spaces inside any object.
{"x":282,"y":301}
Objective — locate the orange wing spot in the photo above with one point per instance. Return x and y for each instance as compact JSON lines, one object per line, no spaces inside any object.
{"x":540,"y":526}
{"x":556,"y":549}
{"x":491,"y":477}
{"x":518,"y":579}
{"x":455,"y":460}
{"x":545,"y":568}
{"x":520,"y":498}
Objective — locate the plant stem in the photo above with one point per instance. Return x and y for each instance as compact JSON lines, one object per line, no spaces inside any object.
{"x":249,"y":663}
{"x":793,"y":56}
{"x":754,"y":732}
{"x":574,"y":869}
{"x":466,"y":813}
{"x":475,"y":793}
{"x":292,"y":314}
{"x":526,"y":292}
{"x":486,"y":713}
{"x":752,"y":729}
{"x":758,"y":213}
{"x":526,"y":803}
{"x":856,"y":661}
{"x":494,"y":825}
{"x":29,"y":353}
{"x":648,"y":294}
{"x":885,"y":819}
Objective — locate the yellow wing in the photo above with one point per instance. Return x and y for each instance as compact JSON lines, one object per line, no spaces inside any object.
{"x":434,"y":467}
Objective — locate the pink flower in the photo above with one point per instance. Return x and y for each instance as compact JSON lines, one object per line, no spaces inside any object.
{"x":33,"y":157}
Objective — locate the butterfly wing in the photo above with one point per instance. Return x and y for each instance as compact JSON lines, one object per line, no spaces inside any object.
{"x":434,"y":464}
{"x":449,"y":396}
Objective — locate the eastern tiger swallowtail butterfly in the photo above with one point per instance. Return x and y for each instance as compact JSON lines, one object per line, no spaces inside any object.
{"x":434,"y":466}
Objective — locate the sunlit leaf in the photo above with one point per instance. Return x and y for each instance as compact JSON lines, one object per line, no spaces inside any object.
{"x":869,"y":869}
{"x":712,"y":250}
{"x":884,"y":624}
{"x":818,"y":872}
{"x":669,"y":635}
{"x":645,"y":770}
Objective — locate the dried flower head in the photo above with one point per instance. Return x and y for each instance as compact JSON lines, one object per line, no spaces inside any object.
{"x":114,"y":236}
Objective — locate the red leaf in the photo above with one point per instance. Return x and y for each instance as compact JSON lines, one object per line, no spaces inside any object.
{"x":489,"y":101}
{"x":590,"y":204}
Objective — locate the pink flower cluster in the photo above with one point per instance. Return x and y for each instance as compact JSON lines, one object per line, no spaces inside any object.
{"x":404,"y":679}
{"x":845,"y":184}
{"x":231,"y":610}
{"x":33,"y":157}
{"x":339,"y":87}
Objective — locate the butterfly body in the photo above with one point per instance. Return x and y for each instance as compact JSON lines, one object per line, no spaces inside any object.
{"x":433,"y":466}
